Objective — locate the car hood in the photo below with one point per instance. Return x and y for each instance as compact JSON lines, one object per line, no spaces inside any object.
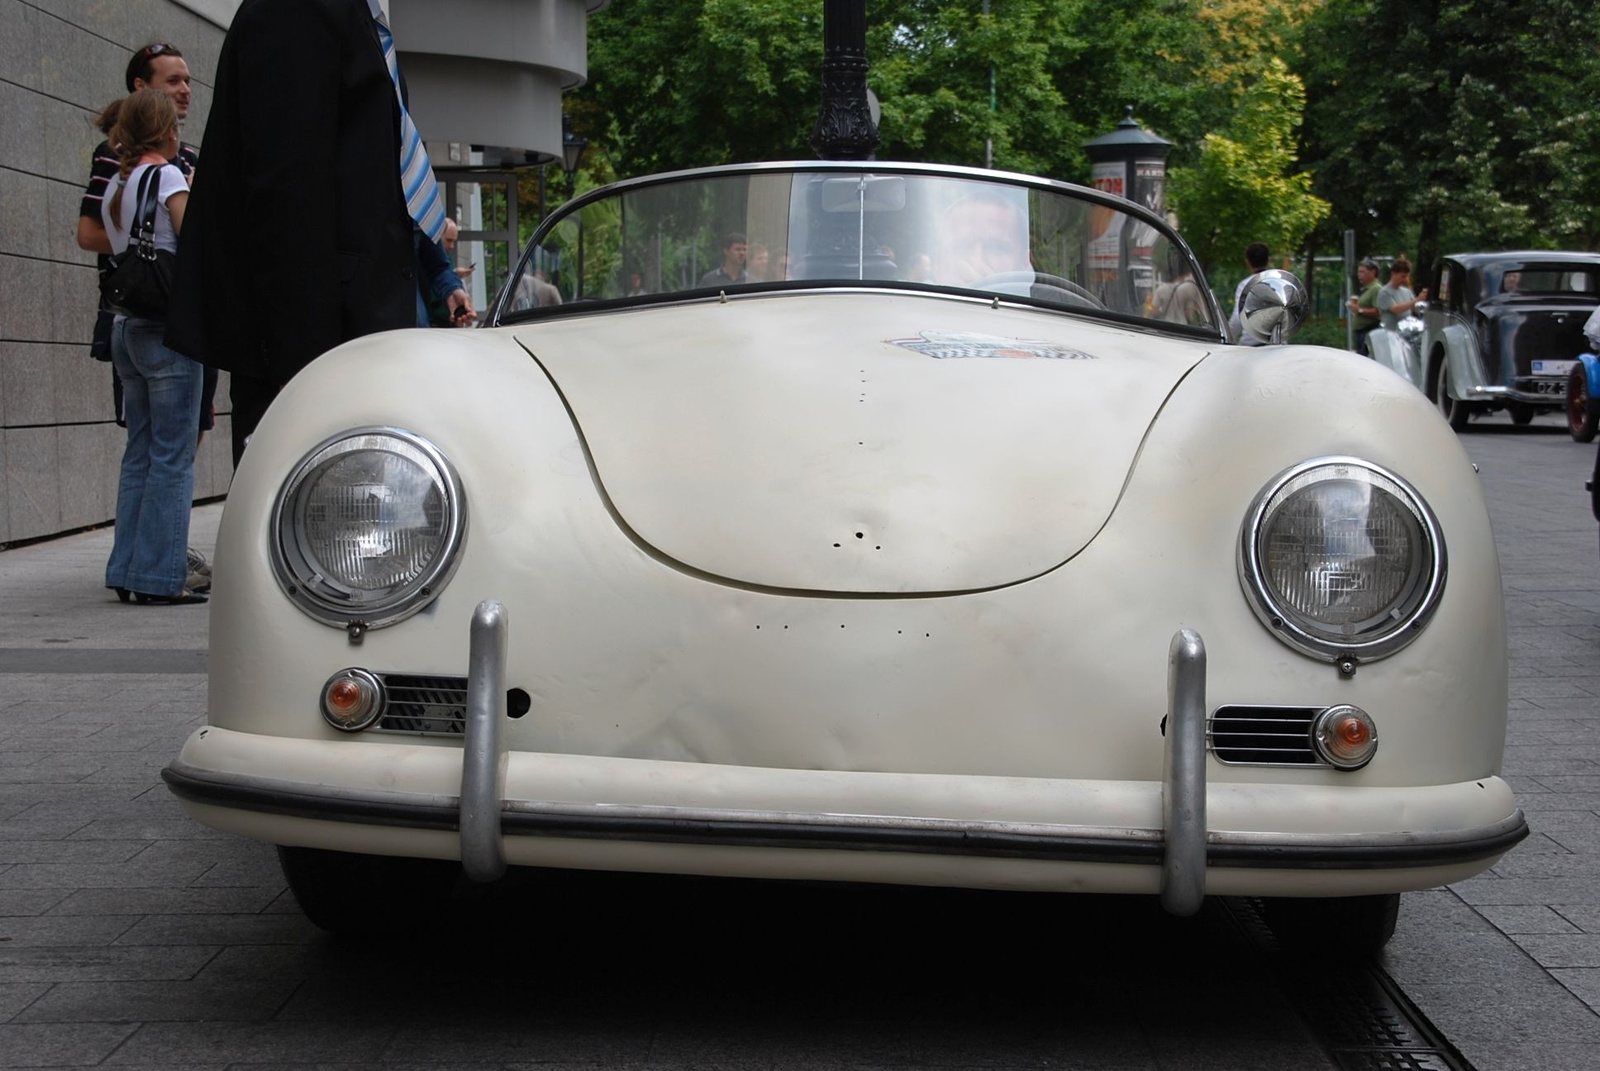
{"x":859,"y":443}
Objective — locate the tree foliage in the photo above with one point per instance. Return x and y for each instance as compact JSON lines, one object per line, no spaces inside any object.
{"x":1425,"y":122}
{"x":1245,"y":187}
{"x":1455,"y":123}
{"x":683,"y":83}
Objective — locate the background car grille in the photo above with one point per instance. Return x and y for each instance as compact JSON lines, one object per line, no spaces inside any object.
{"x":419,"y":704}
{"x":1267,"y":735}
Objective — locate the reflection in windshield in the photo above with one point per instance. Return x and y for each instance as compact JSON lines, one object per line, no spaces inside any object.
{"x":747,"y":231}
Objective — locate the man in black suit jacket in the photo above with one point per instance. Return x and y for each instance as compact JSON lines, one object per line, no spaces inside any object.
{"x":297,"y":236}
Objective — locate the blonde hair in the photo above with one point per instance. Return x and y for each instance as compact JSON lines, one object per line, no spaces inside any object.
{"x":142,"y":121}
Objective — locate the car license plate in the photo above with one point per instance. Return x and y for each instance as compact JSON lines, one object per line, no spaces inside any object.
{"x":1552,"y":368}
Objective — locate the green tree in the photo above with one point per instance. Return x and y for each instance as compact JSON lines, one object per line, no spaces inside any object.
{"x":691,"y":83}
{"x":1243,"y":187}
{"x":684,"y":83}
{"x":1455,"y":124}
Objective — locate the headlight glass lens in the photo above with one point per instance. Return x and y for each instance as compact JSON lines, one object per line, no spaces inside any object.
{"x":1341,"y":557}
{"x":368,"y":526}
{"x":374,"y":518}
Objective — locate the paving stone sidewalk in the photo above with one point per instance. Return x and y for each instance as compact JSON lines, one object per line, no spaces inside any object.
{"x":1508,"y":963}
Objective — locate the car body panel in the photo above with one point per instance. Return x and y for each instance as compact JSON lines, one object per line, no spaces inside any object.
{"x":763,"y":442}
{"x":630,"y":654}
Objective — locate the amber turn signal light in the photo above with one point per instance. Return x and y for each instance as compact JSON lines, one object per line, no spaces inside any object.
{"x":352,"y":700}
{"x":1344,"y":737}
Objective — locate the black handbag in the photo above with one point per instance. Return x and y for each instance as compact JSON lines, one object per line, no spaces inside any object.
{"x":139,"y":279}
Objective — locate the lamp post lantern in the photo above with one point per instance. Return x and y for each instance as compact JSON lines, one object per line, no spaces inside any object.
{"x":1130,"y":162}
{"x":572,"y":147}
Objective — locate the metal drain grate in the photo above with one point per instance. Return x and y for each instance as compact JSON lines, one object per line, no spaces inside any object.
{"x":1355,"y":1010}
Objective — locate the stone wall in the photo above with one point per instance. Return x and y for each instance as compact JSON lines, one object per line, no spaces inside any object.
{"x":60,"y":62}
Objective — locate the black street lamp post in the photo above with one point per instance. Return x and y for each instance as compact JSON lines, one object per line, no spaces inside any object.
{"x":844,"y":130}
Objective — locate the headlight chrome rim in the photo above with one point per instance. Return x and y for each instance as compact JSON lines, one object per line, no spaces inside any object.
{"x":1408,"y":615}
{"x":306,"y":583}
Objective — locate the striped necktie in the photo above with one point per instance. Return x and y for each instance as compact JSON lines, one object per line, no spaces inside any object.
{"x":416,"y":174}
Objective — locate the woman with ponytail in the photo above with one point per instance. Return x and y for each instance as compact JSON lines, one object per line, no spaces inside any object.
{"x":161,"y":388}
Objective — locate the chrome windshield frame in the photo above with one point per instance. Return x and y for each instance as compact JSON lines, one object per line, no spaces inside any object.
{"x":498,"y":309}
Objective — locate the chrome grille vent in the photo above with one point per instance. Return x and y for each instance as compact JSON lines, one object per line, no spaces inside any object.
{"x":424,"y":704}
{"x":1263,"y":736}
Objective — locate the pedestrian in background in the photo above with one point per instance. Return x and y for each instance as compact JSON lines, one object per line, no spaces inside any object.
{"x":1396,"y":299}
{"x":442,"y":300}
{"x":1256,"y":255}
{"x":299,"y":236}
{"x":1364,"y":306}
{"x":161,"y":388}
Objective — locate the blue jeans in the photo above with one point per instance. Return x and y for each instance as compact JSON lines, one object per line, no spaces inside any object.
{"x":161,"y":401}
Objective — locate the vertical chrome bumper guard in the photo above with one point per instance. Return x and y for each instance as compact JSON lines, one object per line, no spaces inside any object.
{"x":483,"y":751}
{"x":1183,"y":796}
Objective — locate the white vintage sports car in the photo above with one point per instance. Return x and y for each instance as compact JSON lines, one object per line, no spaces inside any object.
{"x":862,"y":522}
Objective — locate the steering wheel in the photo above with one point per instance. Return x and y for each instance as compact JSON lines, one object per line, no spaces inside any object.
{"x":1075,"y":293}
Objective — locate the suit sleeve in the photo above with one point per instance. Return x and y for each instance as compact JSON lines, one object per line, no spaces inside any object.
{"x":442,"y":278}
{"x":290,"y":57}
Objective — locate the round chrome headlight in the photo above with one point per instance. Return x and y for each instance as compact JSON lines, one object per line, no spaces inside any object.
{"x":367,"y":527}
{"x":1342,"y":559}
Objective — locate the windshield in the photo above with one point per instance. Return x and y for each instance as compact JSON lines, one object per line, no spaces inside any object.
{"x":764,"y":230}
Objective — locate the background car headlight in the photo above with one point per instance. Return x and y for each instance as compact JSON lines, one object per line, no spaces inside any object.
{"x":1342,"y":559}
{"x":367,"y":527}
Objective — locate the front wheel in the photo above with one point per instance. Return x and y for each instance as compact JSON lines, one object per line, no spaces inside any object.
{"x":366,"y":895}
{"x":1332,"y":928}
{"x":1452,"y":409}
{"x":1583,"y":408}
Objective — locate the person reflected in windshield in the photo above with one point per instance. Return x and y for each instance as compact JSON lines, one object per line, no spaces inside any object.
{"x":757,"y":263}
{"x":734,"y":251}
{"x":982,"y":235}
{"x":1179,"y":301}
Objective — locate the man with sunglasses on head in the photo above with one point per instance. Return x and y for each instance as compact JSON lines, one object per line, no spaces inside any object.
{"x":155,"y":66}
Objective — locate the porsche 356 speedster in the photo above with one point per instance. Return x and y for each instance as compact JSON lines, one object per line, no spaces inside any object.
{"x":861,"y":522}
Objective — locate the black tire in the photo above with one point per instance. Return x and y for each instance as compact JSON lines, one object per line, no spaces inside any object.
{"x":1332,"y":928}
{"x":1456,"y":412}
{"x":1522,"y":414}
{"x":366,"y":895}
{"x":1583,"y":408}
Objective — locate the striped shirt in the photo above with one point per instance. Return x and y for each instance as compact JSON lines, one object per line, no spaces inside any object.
{"x":106,"y":165}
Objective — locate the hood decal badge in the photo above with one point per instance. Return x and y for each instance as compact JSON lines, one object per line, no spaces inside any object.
{"x":951,"y":345}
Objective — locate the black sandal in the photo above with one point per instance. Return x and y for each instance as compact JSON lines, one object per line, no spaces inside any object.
{"x":183,"y":598}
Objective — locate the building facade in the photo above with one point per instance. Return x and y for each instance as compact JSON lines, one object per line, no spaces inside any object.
{"x":61,"y":61}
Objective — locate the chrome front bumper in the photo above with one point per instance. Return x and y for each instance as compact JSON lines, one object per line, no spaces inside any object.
{"x":232,"y":780}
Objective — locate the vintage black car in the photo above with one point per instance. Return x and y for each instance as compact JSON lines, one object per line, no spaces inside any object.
{"x":1505,"y":331}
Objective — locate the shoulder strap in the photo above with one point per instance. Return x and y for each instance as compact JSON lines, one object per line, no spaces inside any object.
{"x":144,"y":220}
